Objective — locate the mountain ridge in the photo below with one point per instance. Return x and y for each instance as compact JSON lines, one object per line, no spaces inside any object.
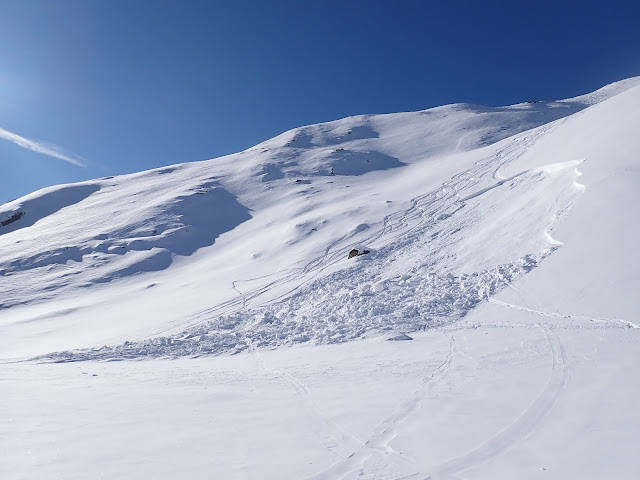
{"x":314,"y":184}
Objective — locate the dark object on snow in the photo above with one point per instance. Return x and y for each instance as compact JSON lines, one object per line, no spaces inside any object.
{"x":356,"y":253}
{"x":397,"y":338}
{"x":15,"y":217}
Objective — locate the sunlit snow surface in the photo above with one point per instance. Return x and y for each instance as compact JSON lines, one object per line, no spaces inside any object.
{"x":502,"y":241}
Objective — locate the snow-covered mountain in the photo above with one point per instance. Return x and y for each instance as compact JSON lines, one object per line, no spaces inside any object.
{"x":506,"y":236}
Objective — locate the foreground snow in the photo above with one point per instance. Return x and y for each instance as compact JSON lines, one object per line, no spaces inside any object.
{"x":510,"y":394}
{"x":503,"y":241}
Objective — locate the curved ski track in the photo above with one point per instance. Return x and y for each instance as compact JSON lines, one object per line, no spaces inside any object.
{"x":388,"y":429}
{"x":521,"y":427}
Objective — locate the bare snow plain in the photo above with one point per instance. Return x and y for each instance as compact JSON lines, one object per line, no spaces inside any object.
{"x":203,"y":320}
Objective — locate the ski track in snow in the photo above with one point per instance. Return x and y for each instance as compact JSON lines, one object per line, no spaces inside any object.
{"x":334,"y":437}
{"x":366,"y":295}
{"x":582,"y":318}
{"x":378,"y":444}
{"x":355,"y":465}
{"x":521,"y":427}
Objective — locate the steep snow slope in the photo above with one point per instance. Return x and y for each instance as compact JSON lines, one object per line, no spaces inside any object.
{"x":507,"y":234}
{"x":133,"y":257}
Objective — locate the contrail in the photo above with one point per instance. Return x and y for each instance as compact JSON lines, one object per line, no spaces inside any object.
{"x":46,"y":149}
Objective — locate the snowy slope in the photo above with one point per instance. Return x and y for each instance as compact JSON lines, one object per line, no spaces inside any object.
{"x":506,"y":234}
{"x":179,"y":246}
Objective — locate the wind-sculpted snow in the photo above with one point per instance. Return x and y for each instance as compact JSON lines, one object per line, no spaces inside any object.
{"x":451,"y":202}
{"x":146,"y":241}
{"x":350,"y":160}
{"x":27,"y":211}
{"x":404,"y":284}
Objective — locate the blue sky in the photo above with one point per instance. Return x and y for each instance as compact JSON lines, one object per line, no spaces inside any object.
{"x":95,"y":88}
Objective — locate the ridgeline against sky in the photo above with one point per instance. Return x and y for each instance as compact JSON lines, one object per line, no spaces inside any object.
{"x":100,"y":88}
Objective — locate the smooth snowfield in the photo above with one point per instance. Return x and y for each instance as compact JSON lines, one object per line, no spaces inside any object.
{"x":526,"y":397}
{"x":203,"y":320}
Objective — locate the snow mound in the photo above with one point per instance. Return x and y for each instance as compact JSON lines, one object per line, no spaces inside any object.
{"x":33,"y":208}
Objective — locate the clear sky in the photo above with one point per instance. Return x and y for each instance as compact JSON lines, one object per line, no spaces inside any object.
{"x":92,"y":88}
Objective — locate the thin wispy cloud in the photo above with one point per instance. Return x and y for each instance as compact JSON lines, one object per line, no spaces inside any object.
{"x":41,"y":147}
